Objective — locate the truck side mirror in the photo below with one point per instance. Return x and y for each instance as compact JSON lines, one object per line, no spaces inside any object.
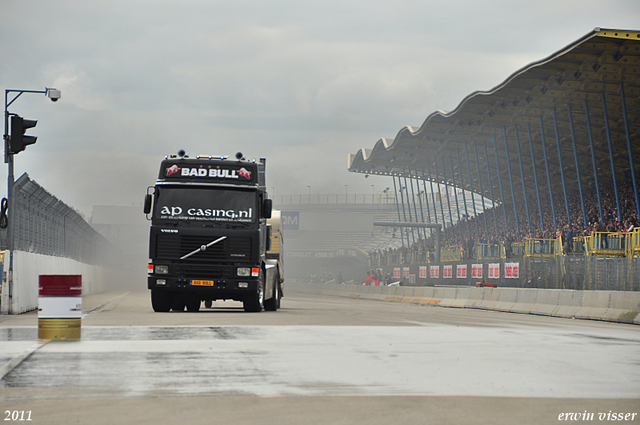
{"x":147,"y":203}
{"x":267,"y":207}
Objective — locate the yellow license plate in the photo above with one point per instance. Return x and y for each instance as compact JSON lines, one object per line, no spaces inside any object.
{"x":202,"y":282}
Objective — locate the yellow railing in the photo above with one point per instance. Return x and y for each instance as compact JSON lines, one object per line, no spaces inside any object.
{"x":633,"y":243}
{"x":577,"y":247}
{"x":486,"y":251}
{"x":605,"y":244}
{"x":451,"y":254}
{"x":542,"y":247}
{"x":517,"y":249}
{"x":610,"y":244}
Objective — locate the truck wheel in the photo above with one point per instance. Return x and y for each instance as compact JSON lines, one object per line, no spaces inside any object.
{"x":273,"y":304}
{"x":177,"y":303}
{"x":161,"y":301}
{"x":208,"y":303}
{"x":255,"y":302}
{"x":193,"y":303}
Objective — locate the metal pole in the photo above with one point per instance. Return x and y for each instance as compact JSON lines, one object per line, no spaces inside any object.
{"x":426,"y":198}
{"x":484,"y":208}
{"x":433,"y":195}
{"x":446,"y":189}
{"x":626,"y":129}
{"x":8,"y":158}
{"x":455,"y":194}
{"x":535,"y":178}
{"x":464,"y":198}
{"x":413,"y":195}
{"x":524,"y":187}
{"x":593,"y":158}
{"x":424,"y":232}
{"x":546,"y":164}
{"x":495,"y":219}
{"x":413,"y":238}
{"x":575,"y":155}
{"x":564,"y":186}
{"x":473,"y":195}
{"x":504,"y":205}
{"x":398,"y":206}
{"x":444,"y":223}
{"x":513,"y":193}
{"x":613,"y":168}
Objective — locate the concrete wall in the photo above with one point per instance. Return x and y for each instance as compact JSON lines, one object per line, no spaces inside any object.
{"x":27,"y":269}
{"x":614,"y":306}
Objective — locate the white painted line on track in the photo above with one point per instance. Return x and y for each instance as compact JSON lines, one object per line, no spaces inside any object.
{"x":93,"y":310}
{"x":14,"y":362}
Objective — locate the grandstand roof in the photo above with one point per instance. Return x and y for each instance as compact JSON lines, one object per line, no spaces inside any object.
{"x":603,"y":64}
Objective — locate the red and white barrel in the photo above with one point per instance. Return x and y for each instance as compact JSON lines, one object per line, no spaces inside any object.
{"x":60,"y":307}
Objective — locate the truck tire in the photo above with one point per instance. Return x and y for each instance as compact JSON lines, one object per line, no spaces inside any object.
{"x":193,"y":303}
{"x":177,"y":302}
{"x":255,"y":302}
{"x":161,"y":301}
{"x":273,"y":304}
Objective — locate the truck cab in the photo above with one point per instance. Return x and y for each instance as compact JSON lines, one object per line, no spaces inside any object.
{"x":209,"y":235}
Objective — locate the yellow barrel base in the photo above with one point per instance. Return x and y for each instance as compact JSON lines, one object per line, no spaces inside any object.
{"x":61,"y":329}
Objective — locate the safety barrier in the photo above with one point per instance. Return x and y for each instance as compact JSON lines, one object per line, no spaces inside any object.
{"x":517,"y":249}
{"x":542,"y":247}
{"x":610,"y":244}
{"x":451,"y":254}
{"x":577,"y":246}
{"x":489,"y":251}
{"x":613,"y":306}
{"x":633,"y":246}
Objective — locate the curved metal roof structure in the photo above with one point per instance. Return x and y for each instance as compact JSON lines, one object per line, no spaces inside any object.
{"x":555,"y":117}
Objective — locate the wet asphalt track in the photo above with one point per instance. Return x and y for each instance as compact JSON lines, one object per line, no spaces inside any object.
{"x":351,"y":351}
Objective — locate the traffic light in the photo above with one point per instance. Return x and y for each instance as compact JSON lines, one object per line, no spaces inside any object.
{"x":19,"y":140}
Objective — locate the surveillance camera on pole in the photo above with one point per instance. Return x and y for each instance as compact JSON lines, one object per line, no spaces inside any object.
{"x":53,"y":94}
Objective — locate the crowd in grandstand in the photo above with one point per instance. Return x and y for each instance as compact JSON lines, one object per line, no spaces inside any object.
{"x":466,"y":234}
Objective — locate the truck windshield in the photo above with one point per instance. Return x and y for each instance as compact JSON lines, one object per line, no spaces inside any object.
{"x":205,"y":204}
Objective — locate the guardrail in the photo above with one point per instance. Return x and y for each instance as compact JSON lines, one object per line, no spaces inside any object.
{"x":614,"y":306}
{"x":600,"y":244}
{"x":633,"y":249}
{"x":543,"y":247}
{"x":606,"y":243}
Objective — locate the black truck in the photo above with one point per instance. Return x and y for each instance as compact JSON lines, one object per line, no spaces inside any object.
{"x":209,"y":237}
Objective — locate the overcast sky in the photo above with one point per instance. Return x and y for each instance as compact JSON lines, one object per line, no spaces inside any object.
{"x":302,"y":83}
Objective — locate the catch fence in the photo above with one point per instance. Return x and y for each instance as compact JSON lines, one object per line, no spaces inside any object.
{"x":42,"y":224}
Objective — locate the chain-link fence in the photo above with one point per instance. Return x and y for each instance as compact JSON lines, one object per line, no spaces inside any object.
{"x":43,"y":224}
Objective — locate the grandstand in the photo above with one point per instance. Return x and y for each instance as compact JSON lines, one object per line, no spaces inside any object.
{"x":558,"y":134}
{"x":554,"y":149}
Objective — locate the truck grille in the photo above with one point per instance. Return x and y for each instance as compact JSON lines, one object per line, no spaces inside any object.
{"x":172,"y":247}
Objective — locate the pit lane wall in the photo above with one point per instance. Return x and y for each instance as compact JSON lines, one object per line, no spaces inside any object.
{"x":27,"y":269}
{"x":613,"y":306}
{"x":49,"y":237}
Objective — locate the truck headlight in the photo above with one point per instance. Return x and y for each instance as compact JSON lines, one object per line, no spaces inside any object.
{"x":162,"y":269}
{"x":244,"y":271}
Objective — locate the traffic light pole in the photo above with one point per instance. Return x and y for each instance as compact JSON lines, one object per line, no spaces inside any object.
{"x":6,"y":306}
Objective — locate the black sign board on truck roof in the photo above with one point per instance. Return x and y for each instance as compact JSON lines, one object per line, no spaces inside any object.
{"x":209,"y":171}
